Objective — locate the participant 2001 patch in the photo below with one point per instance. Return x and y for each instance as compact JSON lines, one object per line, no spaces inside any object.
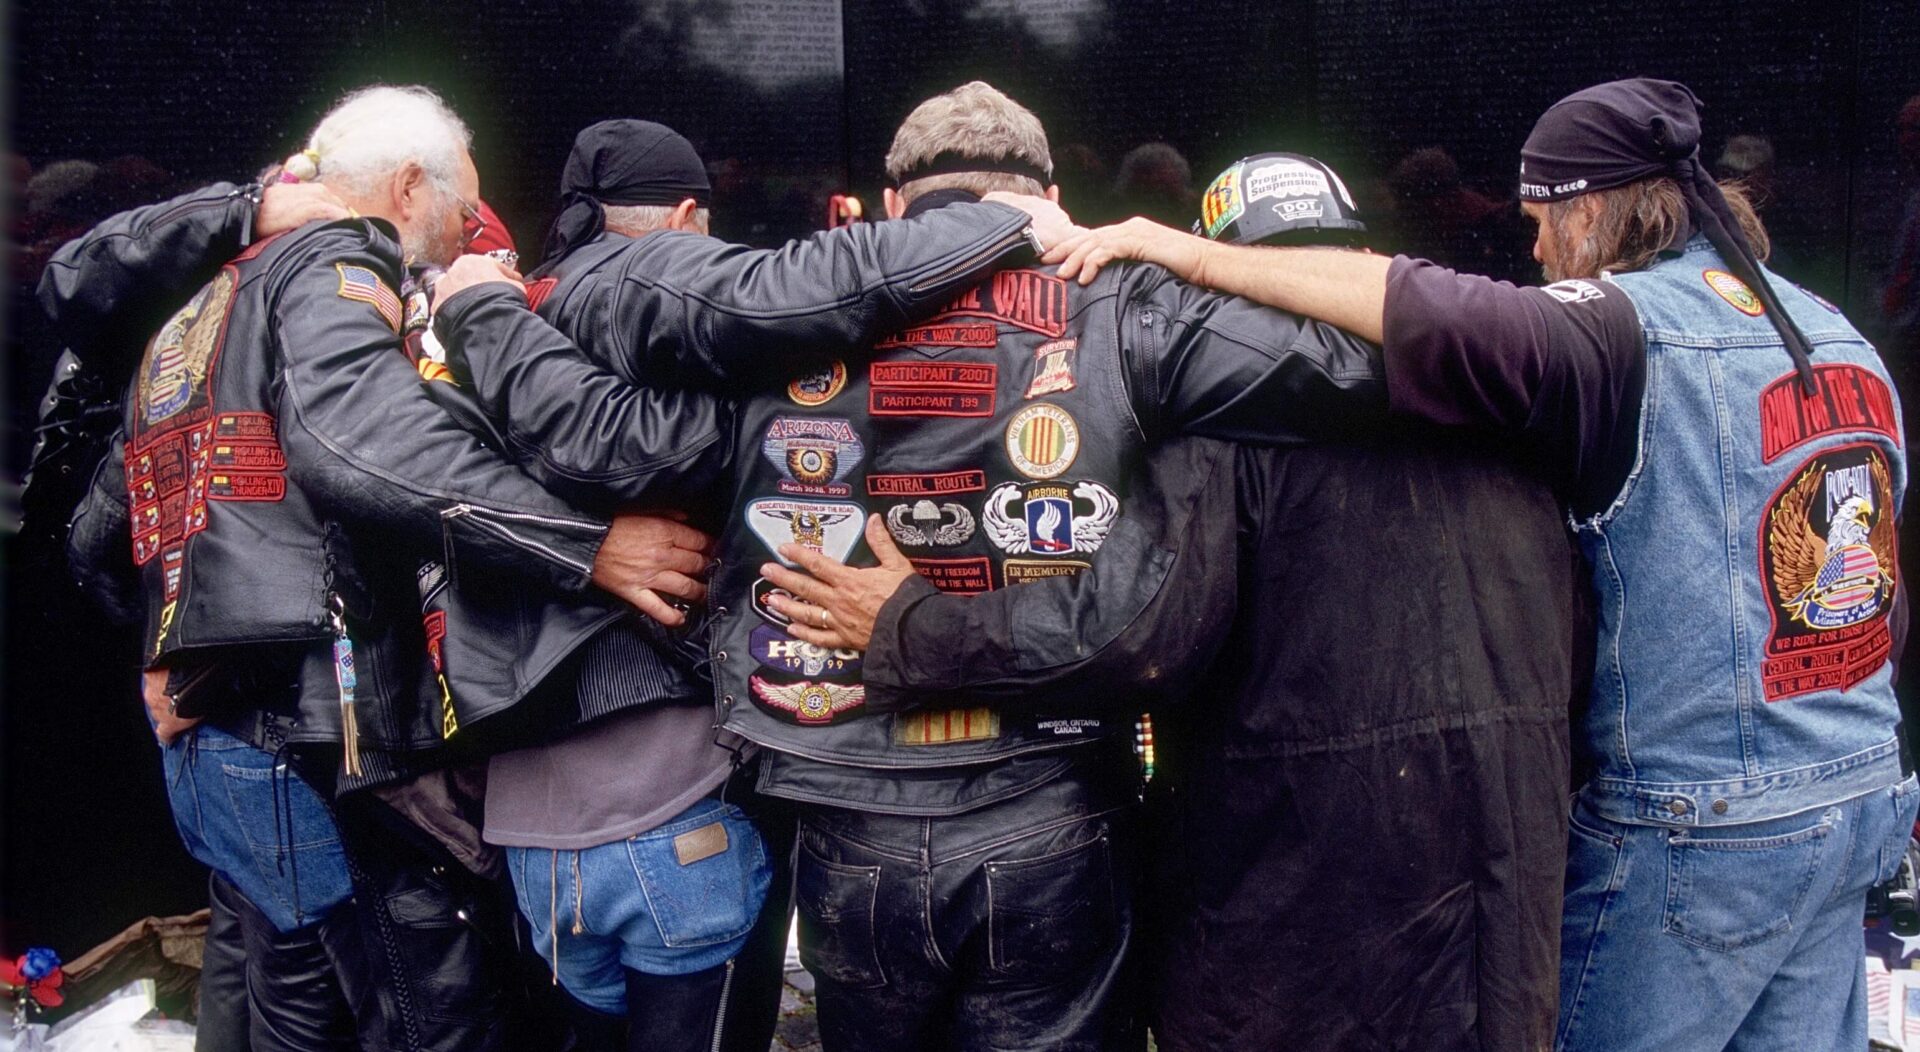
{"x":932,"y":388}
{"x":1828,"y":563}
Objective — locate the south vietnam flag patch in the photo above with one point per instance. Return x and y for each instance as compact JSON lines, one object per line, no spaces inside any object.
{"x":362,"y":284}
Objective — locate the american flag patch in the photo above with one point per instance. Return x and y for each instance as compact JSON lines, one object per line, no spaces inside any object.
{"x":360,"y":283}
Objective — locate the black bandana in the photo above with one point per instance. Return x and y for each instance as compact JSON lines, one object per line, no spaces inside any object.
{"x":1623,"y":131}
{"x":623,"y":162}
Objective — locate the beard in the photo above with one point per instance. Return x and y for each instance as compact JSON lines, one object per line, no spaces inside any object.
{"x":427,"y":243}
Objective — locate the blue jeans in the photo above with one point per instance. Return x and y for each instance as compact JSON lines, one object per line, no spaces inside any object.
{"x":1736,"y":937}
{"x":257,"y":824}
{"x":635,"y":904}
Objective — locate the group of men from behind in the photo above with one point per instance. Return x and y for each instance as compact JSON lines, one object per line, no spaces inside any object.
{"x":973,"y":515}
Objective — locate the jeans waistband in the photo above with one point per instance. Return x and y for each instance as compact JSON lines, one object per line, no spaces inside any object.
{"x":1734,"y":801}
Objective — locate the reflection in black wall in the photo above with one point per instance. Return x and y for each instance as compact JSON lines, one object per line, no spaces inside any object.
{"x":1422,"y":106}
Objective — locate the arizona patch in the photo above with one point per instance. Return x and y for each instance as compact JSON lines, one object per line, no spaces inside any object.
{"x":1828,"y":559}
{"x":1053,"y":518}
{"x":1042,"y":441}
{"x":807,"y":702}
{"x":363,"y":285}
{"x":1735,"y":292}
{"x":814,"y":453}
{"x":819,"y":388}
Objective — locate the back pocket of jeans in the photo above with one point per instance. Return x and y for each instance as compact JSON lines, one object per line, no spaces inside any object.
{"x":1730,"y":893}
{"x":1051,"y":916}
{"x":709,"y":899}
{"x":836,"y":904}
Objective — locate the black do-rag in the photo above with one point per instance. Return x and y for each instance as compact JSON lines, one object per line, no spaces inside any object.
{"x":1623,"y":131}
{"x":622,"y":162}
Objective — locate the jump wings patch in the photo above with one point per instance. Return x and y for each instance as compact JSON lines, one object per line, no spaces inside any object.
{"x":363,"y":285}
{"x":1827,"y":554}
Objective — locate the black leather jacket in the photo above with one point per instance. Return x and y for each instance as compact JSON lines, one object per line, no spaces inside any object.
{"x":677,"y":305}
{"x":277,"y":450}
{"x":1022,"y":385}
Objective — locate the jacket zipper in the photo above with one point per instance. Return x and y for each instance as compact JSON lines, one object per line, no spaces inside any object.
{"x":480,"y":517}
{"x":973,"y":262}
{"x":720,"y":1017}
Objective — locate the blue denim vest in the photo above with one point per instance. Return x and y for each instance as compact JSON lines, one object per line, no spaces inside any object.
{"x":1745,"y":573}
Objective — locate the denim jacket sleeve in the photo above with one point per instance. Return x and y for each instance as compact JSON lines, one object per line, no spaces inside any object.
{"x":365,"y":440}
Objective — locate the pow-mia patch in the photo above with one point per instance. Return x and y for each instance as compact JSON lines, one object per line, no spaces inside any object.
{"x":1027,"y":571}
{"x":1052,"y":518}
{"x":829,"y":528}
{"x":1042,"y":441}
{"x":1735,"y":292}
{"x":819,"y":388}
{"x":1053,"y":367}
{"x":783,"y":653}
{"x":361,"y":284}
{"x":814,"y":453}
{"x":925,"y":524}
{"x":1828,"y":560}
{"x":967,"y":576}
{"x":807,"y":702}
{"x":948,"y":727}
{"x":1222,"y":203}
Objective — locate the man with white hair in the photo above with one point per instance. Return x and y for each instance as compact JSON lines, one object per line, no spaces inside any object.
{"x":278,"y":458}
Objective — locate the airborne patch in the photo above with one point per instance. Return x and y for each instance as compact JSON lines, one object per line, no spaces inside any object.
{"x":362,"y":285}
{"x":1828,"y":560}
{"x":1054,"y":518}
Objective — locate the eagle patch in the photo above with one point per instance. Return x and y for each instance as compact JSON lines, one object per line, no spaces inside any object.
{"x":1828,"y":561}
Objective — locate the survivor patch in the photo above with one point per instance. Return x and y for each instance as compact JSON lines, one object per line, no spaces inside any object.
{"x":1828,"y":561}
